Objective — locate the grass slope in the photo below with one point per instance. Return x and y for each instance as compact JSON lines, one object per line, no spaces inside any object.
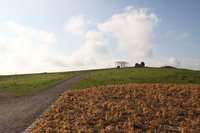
{"x":140,"y":75}
{"x":31,"y":83}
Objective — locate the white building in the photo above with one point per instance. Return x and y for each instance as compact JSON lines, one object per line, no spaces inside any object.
{"x":121,"y":64}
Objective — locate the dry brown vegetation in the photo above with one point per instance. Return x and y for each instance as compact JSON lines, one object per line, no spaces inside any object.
{"x":125,"y":108}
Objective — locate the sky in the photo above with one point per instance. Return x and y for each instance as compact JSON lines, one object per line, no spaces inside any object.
{"x":65,"y":35}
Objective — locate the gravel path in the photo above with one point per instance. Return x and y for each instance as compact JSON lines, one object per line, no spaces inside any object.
{"x":16,"y":114}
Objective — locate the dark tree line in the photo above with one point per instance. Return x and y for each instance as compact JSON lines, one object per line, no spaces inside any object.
{"x":142,"y":64}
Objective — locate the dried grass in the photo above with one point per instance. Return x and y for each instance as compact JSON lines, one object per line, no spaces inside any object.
{"x":125,"y":108}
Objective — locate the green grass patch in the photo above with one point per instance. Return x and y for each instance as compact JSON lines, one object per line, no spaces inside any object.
{"x":30,"y":83}
{"x":140,"y":75}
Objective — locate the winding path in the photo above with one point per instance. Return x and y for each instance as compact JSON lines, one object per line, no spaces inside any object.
{"x":16,"y":114}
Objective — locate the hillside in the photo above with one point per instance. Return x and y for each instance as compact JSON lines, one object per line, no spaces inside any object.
{"x":18,"y":85}
{"x":140,"y":75}
{"x":31,"y":83}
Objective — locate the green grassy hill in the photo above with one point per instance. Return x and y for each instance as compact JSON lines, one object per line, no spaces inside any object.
{"x":140,"y":75}
{"x":31,"y":83}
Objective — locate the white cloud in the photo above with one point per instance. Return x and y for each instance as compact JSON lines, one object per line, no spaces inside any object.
{"x":177,"y":35}
{"x":94,"y":47}
{"x":129,"y":8}
{"x":174,"y":62}
{"x":189,"y":63}
{"x":95,"y":44}
{"x":46,"y":37}
{"x":76,"y":25}
{"x":30,"y":33}
{"x":18,"y":28}
{"x":197,"y":65}
{"x":134,"y":31}
{"x":25,"y":49}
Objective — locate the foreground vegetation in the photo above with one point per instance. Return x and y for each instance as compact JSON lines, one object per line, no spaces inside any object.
{"x":140,"y":75}
{"x":124,"y":108}
{"x":31,"y":83}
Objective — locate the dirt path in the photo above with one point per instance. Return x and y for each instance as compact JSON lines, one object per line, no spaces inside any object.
{"x":16,"y":114}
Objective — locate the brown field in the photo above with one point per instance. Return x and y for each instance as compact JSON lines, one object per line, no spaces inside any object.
{"x":125,"y":108}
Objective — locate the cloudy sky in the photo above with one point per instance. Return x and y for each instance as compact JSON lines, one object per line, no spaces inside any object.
{"x":65,"y":35}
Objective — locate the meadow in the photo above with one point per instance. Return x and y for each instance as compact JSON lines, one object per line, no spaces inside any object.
{"x":140,"y":75}
{"x":30,"y":83}
{"x":18,"y":85}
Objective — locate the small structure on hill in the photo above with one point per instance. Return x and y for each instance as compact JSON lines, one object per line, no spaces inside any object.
{"x":121,"y":64}
{"x":142,"y":64}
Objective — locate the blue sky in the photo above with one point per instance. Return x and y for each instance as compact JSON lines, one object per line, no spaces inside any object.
{"x":64,"y":35}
